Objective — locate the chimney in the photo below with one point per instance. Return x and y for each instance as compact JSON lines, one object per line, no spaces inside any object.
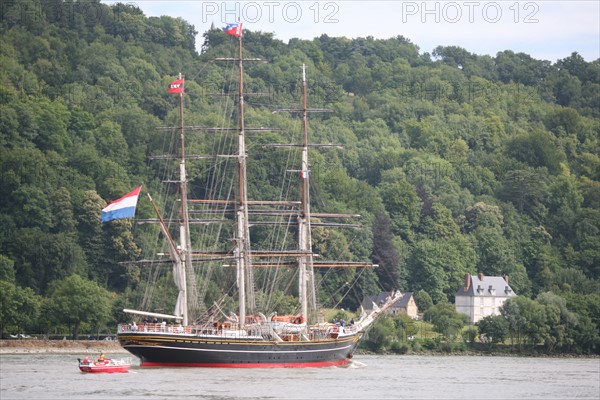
{"x":506,"y":279}
{"x":480,"y":275}
{"x":467,"y":282}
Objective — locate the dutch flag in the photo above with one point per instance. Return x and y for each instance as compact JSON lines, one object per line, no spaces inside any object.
{"x":121,"y":208}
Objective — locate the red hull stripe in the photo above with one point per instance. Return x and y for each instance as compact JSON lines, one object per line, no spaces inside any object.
{"x":103,"y":370}
{"x":250,"y":365}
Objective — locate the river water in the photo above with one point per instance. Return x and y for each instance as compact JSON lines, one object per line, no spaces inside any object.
{"x":41,"y":376}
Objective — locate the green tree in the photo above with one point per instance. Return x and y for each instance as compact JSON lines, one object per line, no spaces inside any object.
{"x":587,"y":331}
{"x":423,"y":300}
{"x":539,"y":258}
{"x":527,"y":189}
{"x":7,"y":269}
{"x":561,"y":321}
{"x":445,"y":320}
{"x":496,"y":256}
{"x":62,"y":206}
{"x":567,"y":89}
{"x":538,"y":149}
{"x":382,"y":335}
{"x":438,"y":267}
{"x":527,"y":321}
{"x":439,"y":224}
{"x":481,"y":215}
{"x":521,"y":68}
{"x":385,"y":254}
{"x":19,"y":308}
{"x":402,"y":204}
{"x":34,"y":207}
{"x":90,"y":237}
{"x":405,"y":326}
{"x":587,"y":228}
{"x":493,"y":329}
{"x":118,"y":246}
{"x":74,"y":301}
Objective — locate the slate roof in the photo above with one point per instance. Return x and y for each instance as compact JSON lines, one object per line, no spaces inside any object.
{"x":402,"y":302}
{"x":500,"y":288}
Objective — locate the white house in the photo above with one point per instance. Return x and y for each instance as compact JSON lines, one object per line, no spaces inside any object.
{"x":482,"y":296}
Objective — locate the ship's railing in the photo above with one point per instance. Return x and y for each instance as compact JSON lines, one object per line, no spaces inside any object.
{"x":153,"y":328}
{"x":258,"y":331}
{"x":349,"y":329}
{"x":231,"y":331}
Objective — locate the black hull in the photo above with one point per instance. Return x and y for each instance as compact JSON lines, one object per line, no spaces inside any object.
{"x":195,"y":351}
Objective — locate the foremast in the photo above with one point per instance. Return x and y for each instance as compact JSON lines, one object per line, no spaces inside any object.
{"x":181,"y":254}
{"x":184,"y":226}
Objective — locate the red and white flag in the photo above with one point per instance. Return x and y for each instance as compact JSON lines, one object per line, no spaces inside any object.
{"x":176,"y":86}
{"x":234,"y":29}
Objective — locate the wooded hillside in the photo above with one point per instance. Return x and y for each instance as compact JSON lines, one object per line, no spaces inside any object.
{"x":459,"y":163}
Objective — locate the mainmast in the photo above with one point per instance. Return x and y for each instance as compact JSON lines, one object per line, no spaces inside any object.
{"x":243,"y":233}
{"x":306,"y":273}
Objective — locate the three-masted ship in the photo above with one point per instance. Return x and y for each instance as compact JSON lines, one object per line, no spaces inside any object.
{"x":245,"y":339}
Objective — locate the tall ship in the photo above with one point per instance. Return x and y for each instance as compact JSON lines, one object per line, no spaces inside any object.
{"x":243,"y":330}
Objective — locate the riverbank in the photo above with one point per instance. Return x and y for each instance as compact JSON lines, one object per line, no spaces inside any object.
{"x":83,"y":347}
{"x":497,"y":352}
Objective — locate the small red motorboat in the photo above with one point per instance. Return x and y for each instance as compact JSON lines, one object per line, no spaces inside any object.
{"x":104,"y":365}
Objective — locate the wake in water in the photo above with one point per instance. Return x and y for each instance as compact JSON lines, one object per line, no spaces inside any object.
{"x":354,"y":365}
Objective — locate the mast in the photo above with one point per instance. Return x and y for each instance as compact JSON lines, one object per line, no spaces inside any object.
{"x":306,"y":273}
{"x":305,"y":262}
{"x":183,"y":262}
{"x":243,"y":233}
